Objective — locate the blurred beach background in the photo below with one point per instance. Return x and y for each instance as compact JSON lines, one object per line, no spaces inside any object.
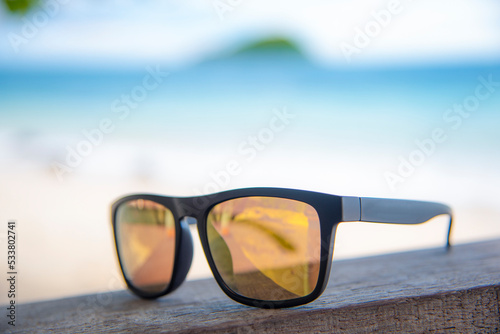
{"x":356,"y":106}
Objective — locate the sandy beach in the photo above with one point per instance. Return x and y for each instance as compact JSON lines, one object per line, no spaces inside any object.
{"x":65,"y":244}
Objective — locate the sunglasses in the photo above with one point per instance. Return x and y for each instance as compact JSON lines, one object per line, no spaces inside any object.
{"x":266,"y":247}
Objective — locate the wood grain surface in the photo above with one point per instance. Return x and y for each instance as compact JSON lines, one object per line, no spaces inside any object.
{"x":427,"y":291}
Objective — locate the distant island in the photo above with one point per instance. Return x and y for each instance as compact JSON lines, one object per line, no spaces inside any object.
{"x":274,"y":44}
{"x":271,"y":47}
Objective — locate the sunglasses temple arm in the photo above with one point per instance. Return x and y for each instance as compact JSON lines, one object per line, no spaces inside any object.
{"x":393,"y":211}
{"x":190,"y":220}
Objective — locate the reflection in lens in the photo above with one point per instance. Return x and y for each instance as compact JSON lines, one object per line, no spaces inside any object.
{"x":145,"y":233}
{"x":266,"y":248}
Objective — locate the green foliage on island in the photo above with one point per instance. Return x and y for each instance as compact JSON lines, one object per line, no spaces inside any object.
{"x":270,"y":44}
{"x":19,"y":6}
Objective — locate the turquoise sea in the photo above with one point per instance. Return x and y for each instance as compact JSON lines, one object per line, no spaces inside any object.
{"x":357,"y":111}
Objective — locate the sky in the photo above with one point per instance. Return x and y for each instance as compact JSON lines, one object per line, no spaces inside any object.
{"x":132,"y":33}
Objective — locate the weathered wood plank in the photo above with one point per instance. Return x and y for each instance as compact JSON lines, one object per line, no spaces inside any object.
{"x":421,"y":291}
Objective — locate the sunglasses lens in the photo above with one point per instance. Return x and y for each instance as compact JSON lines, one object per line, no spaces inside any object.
{"x":266,"y":248}
{"x":145,"y":236}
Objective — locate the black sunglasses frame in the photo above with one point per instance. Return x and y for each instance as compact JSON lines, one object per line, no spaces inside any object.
{"x":331,"y":210}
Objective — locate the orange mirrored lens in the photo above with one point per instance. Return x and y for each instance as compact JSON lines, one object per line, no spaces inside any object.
{"x":266,"y":248}
{"x":145,"y":233}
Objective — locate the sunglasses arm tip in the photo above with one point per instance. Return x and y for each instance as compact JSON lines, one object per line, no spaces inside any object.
{"x":448,"y":241}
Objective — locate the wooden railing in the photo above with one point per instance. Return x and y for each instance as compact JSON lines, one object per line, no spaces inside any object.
{"x":431,"y":291}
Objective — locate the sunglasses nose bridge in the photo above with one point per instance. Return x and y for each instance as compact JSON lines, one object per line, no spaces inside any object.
{"x":185,"y":253}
